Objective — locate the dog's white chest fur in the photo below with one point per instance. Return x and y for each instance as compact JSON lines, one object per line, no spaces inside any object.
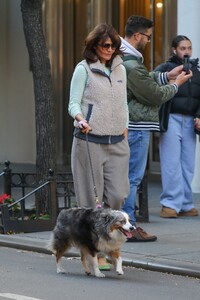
{"x":115,"y":243}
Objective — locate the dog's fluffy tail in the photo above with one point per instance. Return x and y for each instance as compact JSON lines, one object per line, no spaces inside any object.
{"x":50,"y":244}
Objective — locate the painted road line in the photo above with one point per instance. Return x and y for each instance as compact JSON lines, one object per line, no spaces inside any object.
{"x":17,"y":297}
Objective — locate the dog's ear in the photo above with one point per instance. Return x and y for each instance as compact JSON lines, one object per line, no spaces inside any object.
{"x":102,"y":223}
{"x":118,"y":216}
{"x":104,"y":220}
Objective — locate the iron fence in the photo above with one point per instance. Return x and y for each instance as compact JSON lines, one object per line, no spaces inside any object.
{"x":23,"y":215}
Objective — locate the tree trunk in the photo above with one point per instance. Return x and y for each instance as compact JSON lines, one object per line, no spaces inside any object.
{"x":43,"y":90}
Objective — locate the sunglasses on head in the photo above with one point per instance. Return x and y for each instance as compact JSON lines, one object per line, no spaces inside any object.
{"x":107,"y":46}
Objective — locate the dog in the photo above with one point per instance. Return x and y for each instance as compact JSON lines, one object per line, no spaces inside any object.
{"x":91,"y":231}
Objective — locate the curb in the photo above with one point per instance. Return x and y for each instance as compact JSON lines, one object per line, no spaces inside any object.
{"x":158,"y":265}
{"x":183,"y":269}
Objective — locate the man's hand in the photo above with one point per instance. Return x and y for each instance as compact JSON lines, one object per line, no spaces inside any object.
{"x":171,"y":75}
{"x":182,"y":78}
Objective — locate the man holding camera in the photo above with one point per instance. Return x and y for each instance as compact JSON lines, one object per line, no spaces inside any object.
{"x":145,"y":91}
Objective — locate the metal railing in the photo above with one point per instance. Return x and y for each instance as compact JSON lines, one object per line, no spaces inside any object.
{"x":60,"y":195}
{"x":27,"y":217}
{"x":16,"y":217}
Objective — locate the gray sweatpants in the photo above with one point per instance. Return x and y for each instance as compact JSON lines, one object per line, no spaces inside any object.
{"x":110,"y":165}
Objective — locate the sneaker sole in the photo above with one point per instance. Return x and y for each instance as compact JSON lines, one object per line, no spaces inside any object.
{"x":168,"y":216}
{"x":187,"y":215}
{"x":104,"y":268}
{"x":141,"y":241}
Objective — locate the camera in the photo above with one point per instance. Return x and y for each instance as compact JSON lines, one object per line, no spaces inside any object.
{"x":186,"y":64}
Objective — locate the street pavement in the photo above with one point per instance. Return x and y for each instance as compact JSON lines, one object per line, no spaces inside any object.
{"x":176,"y":251}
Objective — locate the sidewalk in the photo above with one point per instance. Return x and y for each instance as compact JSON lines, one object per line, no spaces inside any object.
{"x":176,"y":251}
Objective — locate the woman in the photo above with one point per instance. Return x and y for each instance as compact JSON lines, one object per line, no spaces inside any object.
{"x":180,"y":120}
{"x":100,"y":151}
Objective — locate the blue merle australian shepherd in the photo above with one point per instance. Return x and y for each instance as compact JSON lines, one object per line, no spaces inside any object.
{"x":92,"y":231}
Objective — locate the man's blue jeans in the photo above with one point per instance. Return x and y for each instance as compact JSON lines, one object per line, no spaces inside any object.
{"x":139,"y":144}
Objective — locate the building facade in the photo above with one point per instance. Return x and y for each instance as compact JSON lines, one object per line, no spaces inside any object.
{"x":66,"y":24}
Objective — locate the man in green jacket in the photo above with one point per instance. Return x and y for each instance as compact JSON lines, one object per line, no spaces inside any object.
{"x":146,"y":92}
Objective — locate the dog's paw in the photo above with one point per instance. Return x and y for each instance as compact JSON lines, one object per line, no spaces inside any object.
{"x":88,"y":273}
{"x":61,"y":271}
{"x":100,"y":275}
{"x":120,"y":272}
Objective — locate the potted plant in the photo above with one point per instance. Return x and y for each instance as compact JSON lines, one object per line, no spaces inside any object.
{"x":7,"y":199}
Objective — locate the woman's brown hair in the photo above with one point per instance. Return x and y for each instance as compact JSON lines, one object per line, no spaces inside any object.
{"x":99,"y":35}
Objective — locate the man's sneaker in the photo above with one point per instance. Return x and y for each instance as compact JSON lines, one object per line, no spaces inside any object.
{"x":191,"y":213}
{"x":167,"y":212}
{"x":139,"y":235}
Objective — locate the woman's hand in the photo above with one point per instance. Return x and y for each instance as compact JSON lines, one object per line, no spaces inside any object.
{"x":197,"y":123}
{"x":84,"y":126}
{"x":125,"y":133}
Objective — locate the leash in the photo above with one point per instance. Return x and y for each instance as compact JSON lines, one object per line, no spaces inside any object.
{"x":98,"y":205}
